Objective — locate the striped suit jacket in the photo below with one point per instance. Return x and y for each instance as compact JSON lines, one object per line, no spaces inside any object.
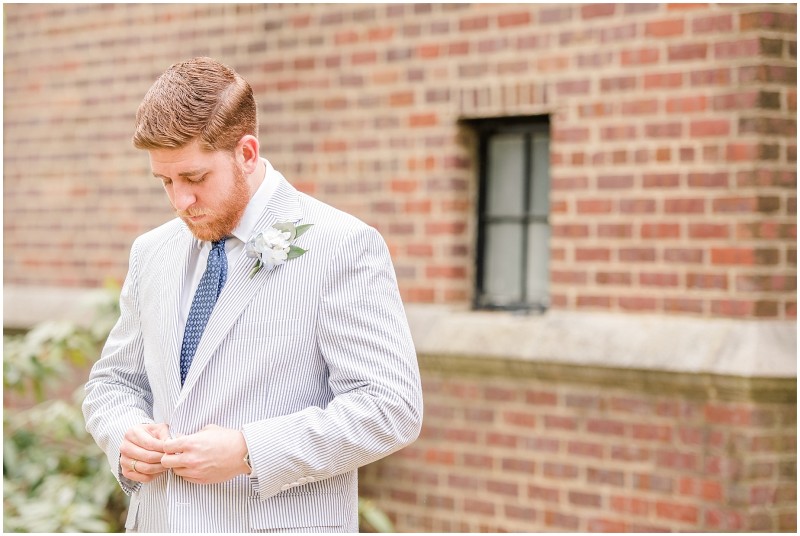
{"x":313,"y":361}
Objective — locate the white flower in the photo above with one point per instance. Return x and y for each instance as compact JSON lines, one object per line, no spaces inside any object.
{"x":273,"y":246}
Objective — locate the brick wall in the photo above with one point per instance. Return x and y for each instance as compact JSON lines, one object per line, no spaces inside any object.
{"x":673,"y":191}
{"x":673,"y":154}
{"x":515,"y":447}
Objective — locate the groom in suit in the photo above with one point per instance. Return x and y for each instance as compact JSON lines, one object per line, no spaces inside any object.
{"x":262,"y":353}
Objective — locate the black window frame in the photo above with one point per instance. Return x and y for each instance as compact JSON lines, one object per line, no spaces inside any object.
{"x":485,"y":129}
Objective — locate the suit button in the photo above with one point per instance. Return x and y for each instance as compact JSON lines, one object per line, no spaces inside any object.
{"x":309,"y":479}
{"x":302,"y":480}
{"x":285,"y":487}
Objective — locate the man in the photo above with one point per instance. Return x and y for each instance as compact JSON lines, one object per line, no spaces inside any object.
{"x":262,"y":353}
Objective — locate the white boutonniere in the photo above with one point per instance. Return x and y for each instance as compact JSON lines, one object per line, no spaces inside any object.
{"x":275,"y":245}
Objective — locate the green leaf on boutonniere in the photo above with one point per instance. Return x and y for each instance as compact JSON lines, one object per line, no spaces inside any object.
{"x":300,"y":229}
{"x":295,"y":252}
{"x":256,"y":268}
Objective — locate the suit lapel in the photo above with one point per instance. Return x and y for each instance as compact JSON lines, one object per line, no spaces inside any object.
{"x":239,"y":289}
{"x":177,"y":254}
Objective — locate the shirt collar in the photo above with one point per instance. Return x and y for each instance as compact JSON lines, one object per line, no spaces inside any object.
{"x":255,"y":207}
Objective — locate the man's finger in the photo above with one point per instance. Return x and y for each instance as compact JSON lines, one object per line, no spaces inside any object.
{"x":173,"y":446}
{"x":134,"y":452}
{"x":145,"y":468}
{"x":141,"y":437}
{"x":173,"y":461}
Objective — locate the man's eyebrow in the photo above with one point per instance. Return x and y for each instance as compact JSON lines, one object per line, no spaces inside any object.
{"x":190,"y":173}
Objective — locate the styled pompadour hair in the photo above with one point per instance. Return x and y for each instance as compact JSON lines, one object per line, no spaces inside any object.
{"x":199,"y":99}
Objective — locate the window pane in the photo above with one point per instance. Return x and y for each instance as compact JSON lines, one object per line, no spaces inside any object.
{"x":538,"y":263}
{"x":502,"y":276}
{"x":540,"y":174}
{"x":505,"y":189}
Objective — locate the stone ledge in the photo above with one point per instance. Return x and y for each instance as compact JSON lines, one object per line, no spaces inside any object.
{"x":746,"y":348}
{"x":24,"y":307}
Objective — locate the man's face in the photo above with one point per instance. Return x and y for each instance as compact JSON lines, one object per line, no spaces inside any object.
{"x":208,"y":190}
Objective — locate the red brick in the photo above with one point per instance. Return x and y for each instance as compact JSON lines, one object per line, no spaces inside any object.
{"x":591,"y":11}
{"x":658,"y":280}
{"x":663,"y":80}
{"x":518,"y":466}
{"x":584,"y":499}
{"x":615,"y":181}
{"x":509,"y":489}
{"x":407,"y":497}
{"x":707,"y":281}
{"x":607,"y":525}
{"x":478,"y":460}
{"x":606,"y":427}
{"x":540,"y":493}
{"x":717,"y":23}
{"x":478,"y":506}
{"x":641,"y":304}
{"x":660,"y":230}
{"x":647,"y":482}
{"x":685,"y":206}
{"x":664,"y":28}
{"x":613,"y":278}
{"x":630,"y":453}
{"x":520,"y":18}
{"x":560,"y":422}
{"x":771,"y":20}
{"x":709,"y":128}
{"x":695,"y":103}
{"x":501,"y":440}
{"x":630,"y":505}
{"x":558,"y":519}
{"x":615,"y":230}
{"x":521,"y":513}
{"x":474,"y":23}
{"x":585,"y":448}
{"x":687,"y":52}
{"x":637,"y":206}
{"x":460,"y":435}
{"x":640,"y":107}
{"x":423,"y":120}
{"x":594,"y":206}
{"x":703,"y":231}
{"x":541,"y":398}
{"x":592,"y":254}
{"x":642,"y":56}
{"x":677,"y":511}
{"x":724,"y":519}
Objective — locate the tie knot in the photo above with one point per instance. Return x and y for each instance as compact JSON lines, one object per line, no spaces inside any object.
{"x":219,"y":244}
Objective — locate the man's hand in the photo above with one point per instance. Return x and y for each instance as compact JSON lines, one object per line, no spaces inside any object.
{"x":142,"y":449}
{"x":212,"y":455}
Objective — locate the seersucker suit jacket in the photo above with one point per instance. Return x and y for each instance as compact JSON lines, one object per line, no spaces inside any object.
{"x":313,"y":361}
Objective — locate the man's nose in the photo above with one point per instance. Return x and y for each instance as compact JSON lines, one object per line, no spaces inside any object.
{"x":184,"y":197}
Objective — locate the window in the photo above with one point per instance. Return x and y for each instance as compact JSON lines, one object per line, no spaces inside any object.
{"x":513,"y":214}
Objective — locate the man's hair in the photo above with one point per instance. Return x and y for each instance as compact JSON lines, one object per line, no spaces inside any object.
{"x":199,"y":99}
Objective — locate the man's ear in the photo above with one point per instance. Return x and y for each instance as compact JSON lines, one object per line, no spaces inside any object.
{"x":247,"y":153}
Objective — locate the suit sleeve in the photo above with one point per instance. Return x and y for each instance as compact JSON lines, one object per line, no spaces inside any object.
{"x":118,"y":394}
{"x":366,"y":343}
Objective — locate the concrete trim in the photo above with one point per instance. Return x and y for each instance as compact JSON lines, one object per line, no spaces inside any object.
{"x":748,"y":348}
{"x":23,"y":306}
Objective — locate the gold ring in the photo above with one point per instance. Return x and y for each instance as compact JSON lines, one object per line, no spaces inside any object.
{"x":133,"y":466}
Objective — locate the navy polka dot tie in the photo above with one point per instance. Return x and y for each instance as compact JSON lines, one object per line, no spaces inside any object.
{"x":203,"y":303}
